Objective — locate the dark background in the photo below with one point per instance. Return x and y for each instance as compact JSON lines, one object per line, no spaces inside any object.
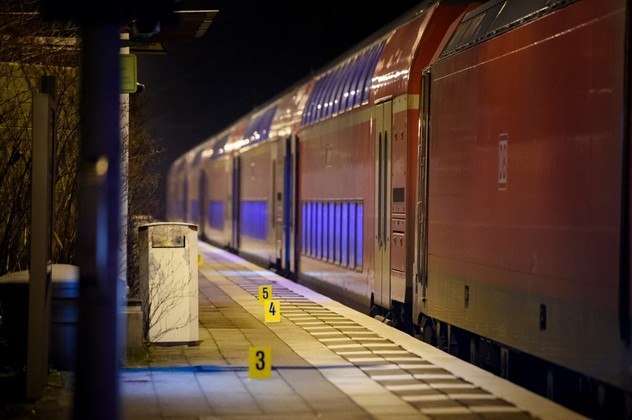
{"x":252,"y":51}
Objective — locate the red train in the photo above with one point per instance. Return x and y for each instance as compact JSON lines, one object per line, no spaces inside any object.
{"x":463,"y":173}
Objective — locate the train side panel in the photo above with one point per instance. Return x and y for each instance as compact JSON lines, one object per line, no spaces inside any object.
{"x":257,"y":236}
{"x":218,"y":222}
{"x":525,"y":189}
{"x":336,"y":187}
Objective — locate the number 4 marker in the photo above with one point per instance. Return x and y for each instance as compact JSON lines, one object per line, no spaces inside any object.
{"x":272,"y":311}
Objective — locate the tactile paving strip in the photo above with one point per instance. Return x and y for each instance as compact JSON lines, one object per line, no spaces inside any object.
{"x":432,"y":390}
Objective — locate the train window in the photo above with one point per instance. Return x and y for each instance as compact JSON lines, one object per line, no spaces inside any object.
{"x":360,"y":64}
{"x":472,"y":30}
{"x":514,"y":11}
{"x":308,"y":113}
{"x":195,"y":211}
{"x":346,"y":87}
{"x":319,"y":230}
{"x":359,"y":235}
{"x":312,"y":229}
{"x":216,"y":214}
{"x":304,"y":228}
{"x":367,"y":76}
{"x":331,"y":97}
{"x":352,"y":235}
{"x":331,"y":232}
{"x":343,"y":87}
{"x":218,"y":147}
{"x":495,"y":17}
{"x":258,"y":128}
{"x":344,"y":76}
{"x":321,"y":108}
{"x":325,"y":232}
{"x":344,"y":240}
{"x":455,"y":41}
{"x":253,"y":220}
{"x":308,"y":228}
{"x":318,"y":87}
{"x":337,"y":234}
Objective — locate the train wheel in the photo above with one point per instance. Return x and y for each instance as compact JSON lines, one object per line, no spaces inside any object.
{"x":402,"y":318}
{"x":376,"y":311}
{"x":427,"y":332}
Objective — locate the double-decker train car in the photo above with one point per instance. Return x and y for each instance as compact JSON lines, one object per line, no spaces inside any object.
{"x":464,"y":173}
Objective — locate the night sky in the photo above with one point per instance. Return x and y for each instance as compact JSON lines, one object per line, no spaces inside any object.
{"x":252,"y":51}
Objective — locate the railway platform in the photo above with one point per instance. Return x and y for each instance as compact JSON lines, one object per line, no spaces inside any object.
{"x":328,"y":361}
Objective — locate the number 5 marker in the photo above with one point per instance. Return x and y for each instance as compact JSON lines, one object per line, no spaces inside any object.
{"x":265,"y":293}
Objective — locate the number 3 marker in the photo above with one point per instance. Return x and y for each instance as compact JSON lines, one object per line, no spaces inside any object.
{"x":259,"y":362}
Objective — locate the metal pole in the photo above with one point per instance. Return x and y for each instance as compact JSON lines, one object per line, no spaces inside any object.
{"x":41,"y":228}
{"x":97,"y":387}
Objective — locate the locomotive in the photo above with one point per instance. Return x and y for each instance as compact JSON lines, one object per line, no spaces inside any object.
{"x":464,"y":174}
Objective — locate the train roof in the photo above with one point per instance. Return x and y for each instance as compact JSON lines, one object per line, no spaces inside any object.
{"x":340,"y":86}
{"x":494,"y":18}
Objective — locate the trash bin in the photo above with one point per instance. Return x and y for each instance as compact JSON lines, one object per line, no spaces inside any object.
{"x":14,"y":299}
{"x":168,"y":276}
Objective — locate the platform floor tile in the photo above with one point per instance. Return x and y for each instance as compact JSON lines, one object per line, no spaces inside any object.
{"x":329,"y":361}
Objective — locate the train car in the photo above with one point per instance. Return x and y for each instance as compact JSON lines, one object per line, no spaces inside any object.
{"x":358,"y":143}
{"x":463,"y":173}
{"x":241,"y":184}
{"x":524,"y":242}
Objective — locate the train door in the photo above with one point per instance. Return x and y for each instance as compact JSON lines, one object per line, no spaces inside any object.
{"x":283,"y":196}
{"x":235,"y":203}
{"x":382,"y":285}
{"x":203,"y":204}
{"x":289,"y":183}
{"x":277,"y":203}
{"x":421,"y":223}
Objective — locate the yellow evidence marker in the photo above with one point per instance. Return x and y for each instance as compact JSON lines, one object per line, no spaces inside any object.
{"x":200,"y":260}
{"x":265,"y":293}
{"x":259,"y":362}
{"x":272,"y":311}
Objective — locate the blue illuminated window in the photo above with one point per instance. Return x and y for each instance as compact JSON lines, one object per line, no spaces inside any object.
{"x":334,"y":232}
{"x":304,"y":228}
{"x":366,"y":74}
{"x":326,"y":231}
{"x":360,"y":235}
{"x":308,"y":229}
{"x":319,"y":230}
{"x":216,"y":214}
{"x":344,"y":241}
{"x":331,"y":237}
{"x":343,"y":86}
{"x":258,"y":128}
{"x":314,"y":235}
{"x":352,"y":235}
{"x":253,"y":219}
{"x":218,"y":147}
{"x":320,"y":101}
{"x":337,"y":232}
{"x":342,"y":81}
{"x":195,"y":211}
